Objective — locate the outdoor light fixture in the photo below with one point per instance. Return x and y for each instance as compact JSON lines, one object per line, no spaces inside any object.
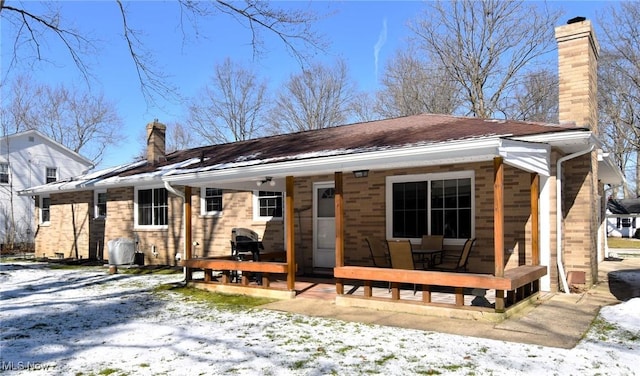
{"x":361,"y":173}
{"x":267,"y":179}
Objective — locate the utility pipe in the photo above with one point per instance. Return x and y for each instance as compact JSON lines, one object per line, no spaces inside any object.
{"x":559,"y":215}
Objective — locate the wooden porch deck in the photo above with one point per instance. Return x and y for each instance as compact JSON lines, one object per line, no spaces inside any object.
{"x":324,"y":288}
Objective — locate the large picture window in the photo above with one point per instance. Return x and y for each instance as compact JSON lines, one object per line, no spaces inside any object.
{"x":267,"y":205}
{"x":152,"y":207}
{"x":430,"y":204}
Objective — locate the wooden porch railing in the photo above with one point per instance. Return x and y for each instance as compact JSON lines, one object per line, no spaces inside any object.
{"x":520,"y":282}
{"x":227,"y":265}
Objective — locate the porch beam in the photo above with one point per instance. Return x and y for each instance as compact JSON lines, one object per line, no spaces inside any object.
{"x":339,"y":218}
{"x":535,"y":219}
{"x":188,"y":231}
{"x":498,"y":215}
{"x":290,"y":231}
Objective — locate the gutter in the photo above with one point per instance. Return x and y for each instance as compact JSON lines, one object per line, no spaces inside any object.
{"x":176,"y":192}
{"x":563,"y":277}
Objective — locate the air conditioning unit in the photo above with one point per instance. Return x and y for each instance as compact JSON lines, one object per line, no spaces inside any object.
{"x":121,"y":251}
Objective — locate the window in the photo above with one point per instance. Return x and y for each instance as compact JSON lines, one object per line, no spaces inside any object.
{"x":152,"y":207}
{"x":211,"y":201}
{"x":4,"y":173}
{"x":267,"y":205}
{"x":100,"y":204}
{"x":51,"y":174}
{"x":431,"y":204}
{"x":45,"y":210}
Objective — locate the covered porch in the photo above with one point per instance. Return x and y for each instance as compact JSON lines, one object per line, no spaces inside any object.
{"x":452,"y":293}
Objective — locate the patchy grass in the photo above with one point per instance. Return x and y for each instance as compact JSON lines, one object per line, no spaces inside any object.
{"x":150,"y":270}
{"x":226,"y":301}
{"x":623,"y":243}
{"x":602,"y":329}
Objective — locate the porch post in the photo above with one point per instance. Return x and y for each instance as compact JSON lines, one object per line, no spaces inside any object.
{"x":188,"y":235}
{"x":339,"y":215}
{"x":290,"y":231}
{"x":498,"y":226}
{"x":535,"y":219}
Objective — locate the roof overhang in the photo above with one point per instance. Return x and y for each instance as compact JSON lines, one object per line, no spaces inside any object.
{"x":524,"y":155}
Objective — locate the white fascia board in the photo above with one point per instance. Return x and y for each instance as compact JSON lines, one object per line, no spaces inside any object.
{"x":568,"y":142}
{"x":528,"y":156}
{"x":609,"y":173}
{"x":416,"y":156}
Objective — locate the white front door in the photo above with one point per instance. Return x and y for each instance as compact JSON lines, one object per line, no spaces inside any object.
{"x":324,"y":226}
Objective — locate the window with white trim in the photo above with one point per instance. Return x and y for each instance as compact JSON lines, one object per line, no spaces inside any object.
{"x":151,"y":207}
{"x":4,"y":173}
{"x":45,"y":210}
{"x":210,"y":201}
{"x":267,"y":205}
{"x":51,"y":175}
{"x":100,"y":200}
{"x":431,"y":204}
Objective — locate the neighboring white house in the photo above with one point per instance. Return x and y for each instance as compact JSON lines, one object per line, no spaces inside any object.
{"x":28,"y":159}
{"x":623,"y":218}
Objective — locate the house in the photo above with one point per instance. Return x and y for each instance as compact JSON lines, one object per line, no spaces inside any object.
{"x":623,"y":218}
{"x":28,"y":159}
{"x":531,"y":194}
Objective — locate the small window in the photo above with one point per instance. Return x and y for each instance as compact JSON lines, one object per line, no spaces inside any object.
{"x":45,"y":210}
{"x":152,"y":207}
{"x":101,"y":204}
{"x":4,"y":173}
{"x":52,"y":174}
{"x":267,"y":205}
{"x":211,"y":201}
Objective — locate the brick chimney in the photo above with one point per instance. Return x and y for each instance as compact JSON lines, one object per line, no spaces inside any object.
{"x":578,"y":52}
{"x":156,"y":141}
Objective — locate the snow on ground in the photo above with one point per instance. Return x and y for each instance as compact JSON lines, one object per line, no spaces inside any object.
{"x":86,"y":322}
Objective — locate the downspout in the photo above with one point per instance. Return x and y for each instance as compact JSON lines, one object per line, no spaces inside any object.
{"x":563,"y":277}
{"x":176,"y":192}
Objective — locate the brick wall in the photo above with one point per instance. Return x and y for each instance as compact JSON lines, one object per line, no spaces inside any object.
{"x":67,"y":234}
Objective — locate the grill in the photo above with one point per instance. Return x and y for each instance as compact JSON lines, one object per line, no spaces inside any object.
{"x":244,"y":243}
{"x":245,"y":246}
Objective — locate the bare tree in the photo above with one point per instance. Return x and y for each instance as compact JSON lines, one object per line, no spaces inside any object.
{"x":83,"y":122}
{"x":412,"y":87}
{"x":180,"y":137}
{"x":317,"y":98}
{"x":535,"y":98}
{"x":618,"y":115}
{"x":619,"y":87}
{"x":31,"y":28}
{"x":231,"y":107}
{"x":484,"y":45}
{"x":363,"y":107}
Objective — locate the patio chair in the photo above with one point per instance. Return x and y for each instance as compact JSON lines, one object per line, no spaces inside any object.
{"x":379,"y":253}
{"x":458,"y":264}
{"x":401,"y":256}
{"x":432,"y":242}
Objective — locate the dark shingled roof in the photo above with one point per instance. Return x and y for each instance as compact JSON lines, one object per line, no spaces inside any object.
{"x":624,"y":206}
{"x":374,"y":135}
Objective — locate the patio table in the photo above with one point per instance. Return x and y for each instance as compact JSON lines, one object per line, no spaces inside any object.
{"x":428,"y":256}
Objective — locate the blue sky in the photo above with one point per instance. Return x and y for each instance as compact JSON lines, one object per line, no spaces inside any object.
{"x":356,"y":31}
